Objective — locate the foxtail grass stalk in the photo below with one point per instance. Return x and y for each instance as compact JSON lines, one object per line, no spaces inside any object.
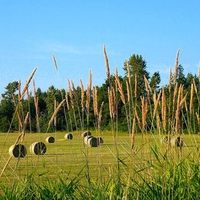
{"x":95,"y":104}
{"x":36,"y":107}
{"x":138,"y":120}
{"x":54,"y":114}
{"x":27,"y":84}
{"x":156,"y":104}
{"x":68,"y":109}
{"x":55,"y":117}
{"x":77,"y":104}
{"x":88,"y":98}
{"x":163,"y":110}
{"x":18,"y":113}
{"x":129,"y":103}
{"x":176,"y":66}
{"x":122,"y":96}
{"x":135,"y":89}
{"x":100,"y":115}
{"x":144,"y":113}
{"x":180,"y":103}
{"x":72,"y":102}
{"x":64,"y":109}
{"x":191,"y":105}
{"x":55,"y":62}
{"x":82,"y":101}
{"x":95,"y":101}
{"x":129,"y":86}
{"x":133,"y":134}
{"x":106,"y":63}
{"x":29,"y":109}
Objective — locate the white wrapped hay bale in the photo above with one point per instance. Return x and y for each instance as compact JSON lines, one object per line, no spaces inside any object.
{"x":86,"y":138}
{"x":176,"y":141}
{"x":18,"y":151}
{"x":86,"y":133}
{"x":38,"y":148}
{"x":100,"y":140}
{"x":50,"y":139}
{"x":68,"y":136}
{"x":92,"y":142}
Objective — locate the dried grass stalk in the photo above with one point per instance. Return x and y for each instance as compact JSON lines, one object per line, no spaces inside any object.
{"x":128,"y":91}
{"x":177,"y":113}
{"x":158,"y":123}
{"x":55,"y":63}
{"x":120,"y":89}
{"x":195,"y":86}
{"x":88,"y":96}
{"x":170,"y":80}
{"x":164,"y":109}
{"x":55,"y":113}
{"x":88,"y":92}
{"x":156,"y":103}
{"x":36,"y":107}
{"x":55,"y":117}
{"x":19,"y":89}
{"x":95,"y":101}
{"x":27,"y":84}
{"x":73,"y":89}
{"x":67,"y":99}
{"x":144,"y":112}
{"x":107,"y":63}
{"x":180,"y":103}
{"x":29,"y":107}
{"x":100,"y":115}
{"x":82,"y":96}
{"x":176,"y":66}
{"x":24,"y":126}
{"x":147,"y":85}
{"x":135,"y":90}
{"x":112,"y":102}
{"x":71,"y":94}
{"x":138,"y":119}
{"x":90,"y":79}
{"x":17,"y":112}
{"x":133,"y":133}
{"x":175,"y":98}
{"x":128,"y":72}
{"x":191,"y":97}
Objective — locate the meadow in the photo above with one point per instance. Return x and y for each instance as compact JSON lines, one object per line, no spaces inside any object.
{"x":72,"y":170}
{"x":157,"y":157}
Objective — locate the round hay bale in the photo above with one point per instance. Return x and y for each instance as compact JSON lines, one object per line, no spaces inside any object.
{"x":38,"y":148}
{"x":86,"y":133}
{"x":164,"y":140}
{"x":93,"y":142}
{"x":176,"y":141}
{"x":86,"y":138}
{"x":100,"y":140}
{"x":50,"y":139}
{"x":68,"y":136}
{"x":18,"y":151}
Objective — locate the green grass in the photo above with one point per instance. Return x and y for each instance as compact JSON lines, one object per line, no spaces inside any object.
{"x":72,"y":170}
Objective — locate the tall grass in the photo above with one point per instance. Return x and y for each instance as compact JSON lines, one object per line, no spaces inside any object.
{"x":138,"y":167}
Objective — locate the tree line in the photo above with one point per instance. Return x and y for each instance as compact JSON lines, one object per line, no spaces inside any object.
{"x":133,"y":102}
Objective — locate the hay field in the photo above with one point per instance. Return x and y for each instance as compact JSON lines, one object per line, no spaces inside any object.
{"x":71,"y":156}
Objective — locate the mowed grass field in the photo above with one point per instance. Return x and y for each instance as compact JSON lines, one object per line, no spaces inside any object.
{"x":73,"y":157}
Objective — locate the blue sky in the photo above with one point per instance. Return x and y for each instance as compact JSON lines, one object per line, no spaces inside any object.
{"x":75,"y":32}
